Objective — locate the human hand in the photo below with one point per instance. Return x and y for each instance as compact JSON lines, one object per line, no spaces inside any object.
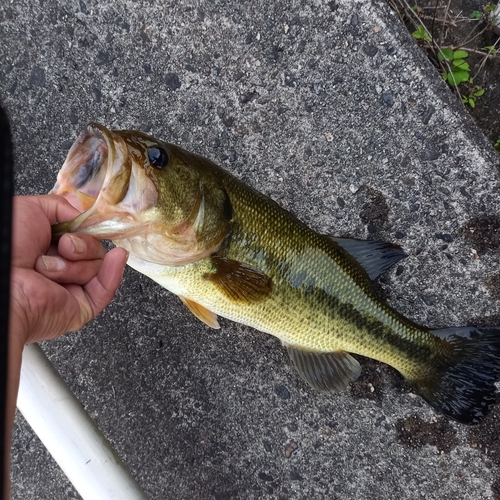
{"x":56,"y":288}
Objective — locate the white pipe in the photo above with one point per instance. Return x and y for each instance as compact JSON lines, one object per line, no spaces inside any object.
{"x":69,"y":434}
{"x":495,"y":19}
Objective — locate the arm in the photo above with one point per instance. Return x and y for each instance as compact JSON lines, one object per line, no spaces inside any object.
{"x":55,"y":288}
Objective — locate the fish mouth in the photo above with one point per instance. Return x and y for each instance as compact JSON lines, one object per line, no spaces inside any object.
{"x":101,"y":180}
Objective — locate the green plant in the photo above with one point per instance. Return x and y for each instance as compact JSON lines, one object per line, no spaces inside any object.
{"x":492,"y":51}
{"x":421,"y":34}
{"x":497,"y":144}
{"x":477,"y":14}
{"x":459,"y":70}
{"x":471,"y":98}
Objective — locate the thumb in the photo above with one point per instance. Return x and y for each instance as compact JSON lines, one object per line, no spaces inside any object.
{"x":101,"y":289}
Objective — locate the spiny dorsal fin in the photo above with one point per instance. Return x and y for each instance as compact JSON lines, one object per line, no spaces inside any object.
{"x":238,"y":281}
{"x":374,"y":256}
{"x":326,"y":372}
{"x":202,"y":313}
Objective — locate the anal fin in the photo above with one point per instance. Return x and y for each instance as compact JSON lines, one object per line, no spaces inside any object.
{"x":202,"y":313}
{"x":326,"y":372}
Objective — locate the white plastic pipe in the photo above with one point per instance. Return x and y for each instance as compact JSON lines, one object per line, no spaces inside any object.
{"x":495,"y":19}
{"x":69,"y":434}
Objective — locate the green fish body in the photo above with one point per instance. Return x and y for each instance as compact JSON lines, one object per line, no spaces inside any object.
{"x":227,"y":250}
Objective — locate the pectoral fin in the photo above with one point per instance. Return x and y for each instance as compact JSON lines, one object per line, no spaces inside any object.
{"x":202,"y":313}
{"x":326,"y":372}
{"x":238,"y":281}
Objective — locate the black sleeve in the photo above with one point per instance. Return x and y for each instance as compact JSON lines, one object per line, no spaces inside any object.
{"x":6,"y":162}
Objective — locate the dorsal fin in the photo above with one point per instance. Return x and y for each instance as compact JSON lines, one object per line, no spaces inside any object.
{"x":326,"y":372}
{"x":374,"y":256}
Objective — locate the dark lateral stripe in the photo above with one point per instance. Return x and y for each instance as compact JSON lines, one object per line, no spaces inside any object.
{"x":376,"y":328}
{"x":373,"y":327}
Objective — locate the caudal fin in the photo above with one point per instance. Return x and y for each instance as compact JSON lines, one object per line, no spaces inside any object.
{"x":462,"y":386}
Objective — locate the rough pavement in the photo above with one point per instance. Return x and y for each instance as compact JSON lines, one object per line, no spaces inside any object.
{"x":330,"y":109}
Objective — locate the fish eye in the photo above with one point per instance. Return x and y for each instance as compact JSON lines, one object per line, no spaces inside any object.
{"x":157,"y":157}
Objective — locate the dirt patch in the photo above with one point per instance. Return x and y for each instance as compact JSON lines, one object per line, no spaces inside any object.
{"x":370,"y":384}
{"x":483,"y":233}
{"x":375,"y":212}
{"x":374,"y":379}
{"x":486,"y":436}
{"x":416,"y":432}
{"x":485,"y":321}
{"x":492,"y":284}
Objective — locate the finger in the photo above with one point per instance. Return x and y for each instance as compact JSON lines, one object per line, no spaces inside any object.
{"x":80,"y":247}
{"x":101,"y":289}
{"x":55,"y":207}
{"x":61,"y":270}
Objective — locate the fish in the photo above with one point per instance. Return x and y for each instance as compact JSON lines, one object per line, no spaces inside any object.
{"x":225,"y":249}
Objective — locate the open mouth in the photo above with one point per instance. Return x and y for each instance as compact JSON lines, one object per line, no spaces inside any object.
{"x":95,"y":179}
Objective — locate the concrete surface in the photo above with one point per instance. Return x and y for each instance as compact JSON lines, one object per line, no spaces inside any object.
{"x":329,"y":108}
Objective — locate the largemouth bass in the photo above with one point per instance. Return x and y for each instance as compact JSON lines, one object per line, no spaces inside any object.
{"x":226,"y":249}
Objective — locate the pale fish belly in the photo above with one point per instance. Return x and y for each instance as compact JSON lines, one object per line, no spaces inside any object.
{"x":301,"y":326}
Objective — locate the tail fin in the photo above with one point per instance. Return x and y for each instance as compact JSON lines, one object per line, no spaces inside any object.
{"x":464,"y":386}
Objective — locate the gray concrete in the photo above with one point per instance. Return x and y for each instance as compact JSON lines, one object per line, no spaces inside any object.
{"x":332,"y":110}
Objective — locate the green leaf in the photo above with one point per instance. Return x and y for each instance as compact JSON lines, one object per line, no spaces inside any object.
{"x":445,"y":54}
{"x":479,"y":93}
{"x":458,"y":76}
{"x":463,"y":65}
{"x":465,"y":100}
{"x":461,"y":76}
{"x":460,"y":54}
{"x":475,"y":14}
{"x":472,"y":103}
{"x":421,"y":34}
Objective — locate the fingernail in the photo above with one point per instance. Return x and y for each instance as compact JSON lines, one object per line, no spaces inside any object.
{"x":53,"y":263}
{"x":78,"y":243}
